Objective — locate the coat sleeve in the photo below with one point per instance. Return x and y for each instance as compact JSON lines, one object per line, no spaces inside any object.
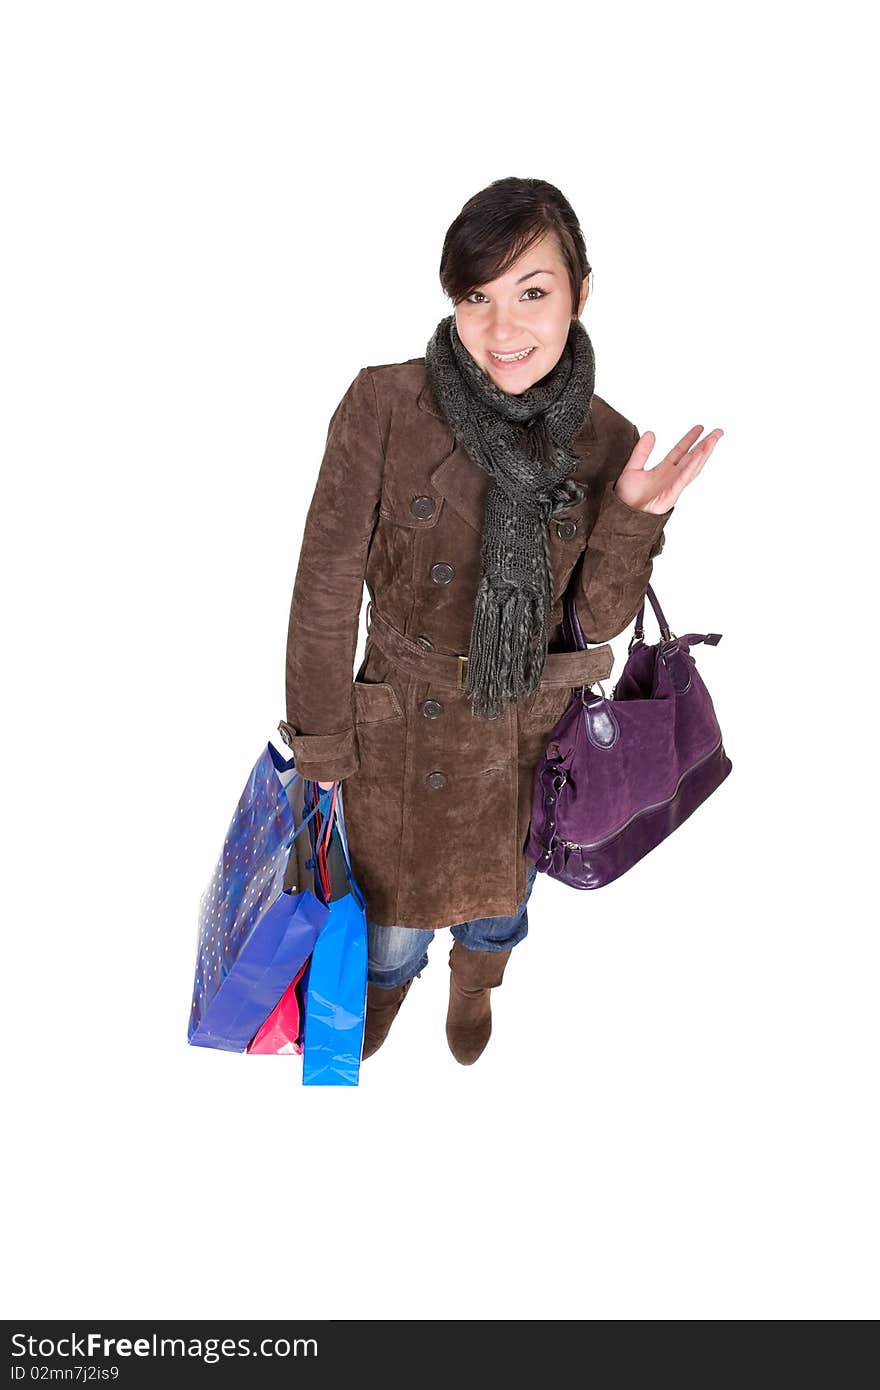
{"x":328,"y":590}
{"x":617,"y":563}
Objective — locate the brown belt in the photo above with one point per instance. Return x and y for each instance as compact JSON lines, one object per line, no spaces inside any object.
{"x":560,"y":668}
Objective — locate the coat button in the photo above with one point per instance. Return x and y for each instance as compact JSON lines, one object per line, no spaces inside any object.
{"x":431,"y":709}
{"x":566,"y":529}
{"x":442,"y":574}
{"x":436,"y":779}
{"x":286,"y":732}
{"x":425,"y":642}
{"x":422,"y":507}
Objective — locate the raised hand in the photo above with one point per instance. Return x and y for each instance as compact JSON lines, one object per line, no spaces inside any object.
{"x":657,"y":489}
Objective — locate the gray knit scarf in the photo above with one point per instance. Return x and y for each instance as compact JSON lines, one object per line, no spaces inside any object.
{"x":524,"y":443}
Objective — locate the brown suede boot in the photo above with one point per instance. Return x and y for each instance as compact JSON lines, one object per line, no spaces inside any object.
{"x":469,"y":1020}
{"x":382,"y":1006}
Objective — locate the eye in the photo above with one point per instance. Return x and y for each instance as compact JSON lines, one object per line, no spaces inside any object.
{"x":533,"y":289}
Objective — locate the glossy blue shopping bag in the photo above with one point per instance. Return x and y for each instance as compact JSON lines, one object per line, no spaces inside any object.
{"x":259,"y":918}
{"x":336,"y":980}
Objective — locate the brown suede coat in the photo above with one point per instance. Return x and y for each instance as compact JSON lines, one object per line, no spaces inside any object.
{"x":436,"y":802}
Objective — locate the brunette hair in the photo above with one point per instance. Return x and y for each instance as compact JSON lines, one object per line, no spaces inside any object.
{"x":498,"y":224}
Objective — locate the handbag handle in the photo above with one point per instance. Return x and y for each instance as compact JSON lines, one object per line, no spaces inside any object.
{"x":574,"y":634}
{"x":690,"y":639}
{"x":639,"y":630}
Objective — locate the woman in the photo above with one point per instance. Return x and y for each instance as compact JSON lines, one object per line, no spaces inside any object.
{"x":464,"y":487}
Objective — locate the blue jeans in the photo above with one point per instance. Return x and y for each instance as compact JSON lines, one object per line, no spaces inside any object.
{"x":395,"y":954}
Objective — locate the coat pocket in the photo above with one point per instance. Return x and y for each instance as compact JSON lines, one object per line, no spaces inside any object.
{"x":380,"y":729}
{"x":374,"y":701}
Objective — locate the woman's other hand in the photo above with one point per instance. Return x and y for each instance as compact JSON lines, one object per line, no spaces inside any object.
{"x":657,"y":489}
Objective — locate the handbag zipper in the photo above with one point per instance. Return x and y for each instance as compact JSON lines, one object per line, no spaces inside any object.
{"x":573,"y":844}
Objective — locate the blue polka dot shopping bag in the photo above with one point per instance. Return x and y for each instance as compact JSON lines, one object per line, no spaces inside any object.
{"x":274,"y":892}
{"x":257,"y":925}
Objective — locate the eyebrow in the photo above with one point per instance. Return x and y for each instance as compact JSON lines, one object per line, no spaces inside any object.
{"x":529,"y":276}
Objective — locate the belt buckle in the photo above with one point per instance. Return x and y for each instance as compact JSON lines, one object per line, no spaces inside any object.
{"x":462,"y":662}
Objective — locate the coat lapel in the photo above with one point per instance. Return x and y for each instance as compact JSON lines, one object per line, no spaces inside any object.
{"x":462,"y":482}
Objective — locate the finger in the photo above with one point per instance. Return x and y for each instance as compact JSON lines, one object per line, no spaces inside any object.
{"x":641,"y":451}
{"x":699,"y":456}
{"x":705,"y":446}
{"x":645,"y":443}
{"x":678,"y":451}
{"x":686,"y":472}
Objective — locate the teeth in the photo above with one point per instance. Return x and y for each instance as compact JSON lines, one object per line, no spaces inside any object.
{"x":512,"y":356}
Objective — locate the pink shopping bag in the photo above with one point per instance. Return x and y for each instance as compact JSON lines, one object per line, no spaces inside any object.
{"x":281,"y":1033}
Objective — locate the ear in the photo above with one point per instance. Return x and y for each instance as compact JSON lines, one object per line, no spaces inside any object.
{"x":585,"y":290}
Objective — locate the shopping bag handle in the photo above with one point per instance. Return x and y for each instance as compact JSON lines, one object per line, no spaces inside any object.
{"x":320,"y":805}
{"x":325,"y":797}
{"x":343,"y":839}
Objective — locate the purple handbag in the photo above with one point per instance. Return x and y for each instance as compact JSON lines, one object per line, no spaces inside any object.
{"x":617,"y":776}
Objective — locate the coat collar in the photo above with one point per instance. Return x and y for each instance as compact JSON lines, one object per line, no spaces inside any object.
{"x":462,"y":482}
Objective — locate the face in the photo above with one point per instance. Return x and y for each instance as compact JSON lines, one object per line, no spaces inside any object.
{"x":528,"y":307}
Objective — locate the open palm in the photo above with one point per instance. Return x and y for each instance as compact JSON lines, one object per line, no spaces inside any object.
{"x":657,"y":489}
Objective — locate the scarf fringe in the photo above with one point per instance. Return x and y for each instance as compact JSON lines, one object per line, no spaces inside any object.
{"x":507,"y":649}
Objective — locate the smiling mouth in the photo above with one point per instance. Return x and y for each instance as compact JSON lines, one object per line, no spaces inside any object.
{"x":512,"y":356}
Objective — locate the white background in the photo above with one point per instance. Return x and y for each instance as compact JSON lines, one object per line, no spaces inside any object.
{"x":216,"y":214}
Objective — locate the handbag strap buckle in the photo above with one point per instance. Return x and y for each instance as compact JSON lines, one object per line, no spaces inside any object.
{"x":462,"y":662}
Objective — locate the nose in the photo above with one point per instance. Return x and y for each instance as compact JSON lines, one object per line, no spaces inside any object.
{"x":504,"y":329}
